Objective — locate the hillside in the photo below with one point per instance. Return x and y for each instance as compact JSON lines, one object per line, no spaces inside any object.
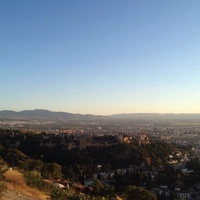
{"x":17,"y":188}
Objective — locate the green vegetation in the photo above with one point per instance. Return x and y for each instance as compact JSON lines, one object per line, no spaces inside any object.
{"x":41,"y":162}
{"x":137,"y":193}
{"x":158,"y":151}
{"x":34,"y":179}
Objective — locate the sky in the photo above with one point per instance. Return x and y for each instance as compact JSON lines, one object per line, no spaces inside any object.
{"x":100,"y":57}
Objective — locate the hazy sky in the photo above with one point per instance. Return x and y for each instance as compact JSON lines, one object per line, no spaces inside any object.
{"x":100,"y":56}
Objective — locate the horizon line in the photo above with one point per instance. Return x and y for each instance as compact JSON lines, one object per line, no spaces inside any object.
{"x":165,"y":113}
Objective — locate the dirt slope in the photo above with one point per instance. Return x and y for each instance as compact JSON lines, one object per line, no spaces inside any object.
{"x":18,"y":190}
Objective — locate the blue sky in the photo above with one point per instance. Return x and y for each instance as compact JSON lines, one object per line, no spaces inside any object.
{"x":100,"y":57}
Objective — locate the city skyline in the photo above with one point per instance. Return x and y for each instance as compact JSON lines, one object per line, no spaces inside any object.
{"x":100,"y":57}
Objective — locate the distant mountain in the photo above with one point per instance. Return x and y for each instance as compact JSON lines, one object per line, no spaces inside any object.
{"x":49,"y":115}
{"x":156,"y":116}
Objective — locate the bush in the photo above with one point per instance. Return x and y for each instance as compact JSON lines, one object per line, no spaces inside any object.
{"x":58,"y":194}
{"x":138,"y":193}
{"x":33,"y":179}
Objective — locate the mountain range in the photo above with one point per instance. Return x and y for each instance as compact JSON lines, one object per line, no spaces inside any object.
{"x":49,"y":115}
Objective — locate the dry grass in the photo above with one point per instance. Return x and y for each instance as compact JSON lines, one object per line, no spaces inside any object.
{"x":15,"y":181}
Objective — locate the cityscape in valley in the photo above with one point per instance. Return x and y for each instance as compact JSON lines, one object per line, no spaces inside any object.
{"x":98,"y":157}
{"x":100,"y":100}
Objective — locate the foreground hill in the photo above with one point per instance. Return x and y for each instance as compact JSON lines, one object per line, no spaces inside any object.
{"x":17,"y":188}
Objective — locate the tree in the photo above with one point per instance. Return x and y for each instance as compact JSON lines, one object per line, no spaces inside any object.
{"x":58,"y":194}
{"x":98,"y":187}
{"x":14,"y":157}
{"x":53,"y":170}
{"x":34,"y":179}
{"x":100,"y":190}
{"x":138,"y":193}
{"x":34,"y":165}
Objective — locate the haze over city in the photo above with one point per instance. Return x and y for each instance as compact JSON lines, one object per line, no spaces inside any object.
{"x":100,"y":57}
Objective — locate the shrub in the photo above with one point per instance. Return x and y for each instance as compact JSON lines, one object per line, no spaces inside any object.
{"x":33,"y":179}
